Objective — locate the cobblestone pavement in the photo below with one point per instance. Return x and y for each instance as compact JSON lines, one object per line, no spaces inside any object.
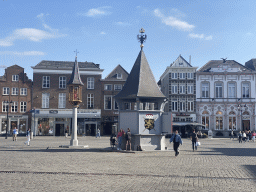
{"x":218,"y":165}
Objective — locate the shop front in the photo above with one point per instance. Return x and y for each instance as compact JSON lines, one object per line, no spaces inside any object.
{"x":18,"y":121}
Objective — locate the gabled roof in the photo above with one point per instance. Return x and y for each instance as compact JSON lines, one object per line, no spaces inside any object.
{"x":140,"y":82}
{"x":218,"y":63}
{"x":75,"y":77}
{"x":113,"y":74}
{"x":180,"y":62}
{"x":64,"y":64}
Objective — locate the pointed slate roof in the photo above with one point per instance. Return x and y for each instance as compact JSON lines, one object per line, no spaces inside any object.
{"x":75,"y":77}
{"x":140,"y":82}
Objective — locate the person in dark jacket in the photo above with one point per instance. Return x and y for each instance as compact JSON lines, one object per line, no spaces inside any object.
{"x":194,"y":139}
{"x":176,"y":139}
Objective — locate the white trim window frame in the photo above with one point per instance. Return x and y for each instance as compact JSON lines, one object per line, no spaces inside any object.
{"x":174,"y":105}
{"x":182,"y":75}
{"x":182,"y":105}
{"x":14,"y":106}
{"x":174,"y":75}
{"x":6,"y":90}
{"x":45,"y":100}
{"x":127,"y":106}
{"x":4,"y":106}
{"x":190,"y":106}
{"x":118,"y":87}
{"x":15,"y":77}
{"x":15,"y":91}
{"x":115,"y":105}
{"x":62,"y":100}
{"x":174,"y":89}
{"x":205,"y":120}
{"x":182,"y":89}
{"x":46,"y":82}
{"x":119,"y":75}
{"x":108,"y":87}
{"x":190,"y":89}
{"x":245,"y":90}
{"x":90,"y":82}
{"x":23,"y":91}
{"x":23,"y":106}
{"x":231,"y":90}
{"x":90,"y":101}
{"x":62,"y":82}
{"x":205,"y":90}
{"x":190,"y":75}
{"x":107,"y":102}
{"x":219,"y":121}
{"x":218,"y":90}
{"x":232,"y":121}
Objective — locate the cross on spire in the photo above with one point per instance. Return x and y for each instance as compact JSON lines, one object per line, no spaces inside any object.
{"x":76,"y":52}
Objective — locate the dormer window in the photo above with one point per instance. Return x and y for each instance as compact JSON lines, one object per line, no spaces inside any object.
{"x":15,"y":77}
{"x":119,"y":75}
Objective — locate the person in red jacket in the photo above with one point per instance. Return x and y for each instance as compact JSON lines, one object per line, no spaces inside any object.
{"x":119,"y":138}
{"x":253,"y":136}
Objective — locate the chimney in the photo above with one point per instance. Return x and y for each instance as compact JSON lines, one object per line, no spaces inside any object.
{"x":190,"y":59}
{"x":98,"y":65}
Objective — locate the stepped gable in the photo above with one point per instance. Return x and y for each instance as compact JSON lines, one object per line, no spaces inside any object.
{"x":141,"y":82}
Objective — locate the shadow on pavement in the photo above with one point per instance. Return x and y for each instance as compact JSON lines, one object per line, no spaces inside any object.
{"x":251,"y":169}
{"x":231,"y":152}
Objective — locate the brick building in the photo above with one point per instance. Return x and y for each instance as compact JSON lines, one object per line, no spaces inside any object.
{"x":111,"y":85}
{"x":15,"y":86}
{"x":50,"y":98}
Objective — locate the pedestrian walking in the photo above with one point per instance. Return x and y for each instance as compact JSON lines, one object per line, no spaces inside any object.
{"x":14,"y":134}
{"x":28,"y":137}
{"x":232,"y":134}
{"x":98,"y":133}
{"x":244,"y":136}
{"x":249,"y":136}
{"x":194,"y":139}
{"x":119,"y":138}
{"x":240,"y":137}
{"x":66,"y":132}
{"x":176,"y":139}
{"x":253,"y":136}
{"x":128,"y":138}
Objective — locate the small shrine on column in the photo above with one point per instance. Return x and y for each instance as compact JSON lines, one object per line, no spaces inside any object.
{"x":141,"y":104}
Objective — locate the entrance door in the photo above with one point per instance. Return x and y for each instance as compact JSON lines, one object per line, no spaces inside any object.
{"x":246,"y":125}
{"x":59,"y":130}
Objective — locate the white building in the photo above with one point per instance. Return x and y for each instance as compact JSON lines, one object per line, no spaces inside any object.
{"x":225,"y":97}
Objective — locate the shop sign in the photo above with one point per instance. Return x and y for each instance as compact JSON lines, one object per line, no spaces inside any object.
{"x":53,"y":111}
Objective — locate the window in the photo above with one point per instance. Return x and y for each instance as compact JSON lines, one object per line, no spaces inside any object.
{"x":23,"y":106}
{"x":90,"y":101}
{"x":182,"y":89}
{"x":245,"y":90}
{"x":117,"y":87}
{"x":174,"y":105}
{"x":90,"y":83}
{"x":46,"y":82}
{"x":15,"y":91}
{"x":205,"y":90}
{"x":62,"y":82}
{"x":218,"y":90}
{"x":15,"y":106}
{"x":205,"y":120}
{"x":182,"y":75}
{"x":62,"y":100}
{"x":4,"y":107}
{"x":182,"y":105}
{"x":174,"y":75}
{"x":6,"y":90}
{"x":219,"y":121}
{"x":116,"y":106}
{"x":127,"y":106}
{"x":119,"y":75}
{"x":190,"y":89}
{"x":45,"y":100}
{"x":108,"y":87}
{"x":23,"y":91}
{"x":190,"y":75}
{"x":231,"y":90}
{"x":174,"y":89}
{"x":107,"y":102}
{"x":176,"y":119}
{"x":190,"y":106}
{"x":232,"y":121}
{"x":15,"y":77}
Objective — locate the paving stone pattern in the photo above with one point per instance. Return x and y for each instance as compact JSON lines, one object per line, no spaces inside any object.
{"x":218,"y":165}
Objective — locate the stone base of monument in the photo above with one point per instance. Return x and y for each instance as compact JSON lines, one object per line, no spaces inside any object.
{"x":148,"y":142}
{"x":74,"y":147}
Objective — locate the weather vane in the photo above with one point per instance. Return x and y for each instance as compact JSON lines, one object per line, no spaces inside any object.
{"x":76,"y":52}
{"x":142,"y":38}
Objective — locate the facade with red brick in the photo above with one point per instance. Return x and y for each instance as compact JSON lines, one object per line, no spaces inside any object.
{"x":15,"y":86}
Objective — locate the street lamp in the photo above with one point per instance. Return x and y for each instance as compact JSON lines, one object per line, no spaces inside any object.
{"x":239,"y":107}
{"x":7,"y":103}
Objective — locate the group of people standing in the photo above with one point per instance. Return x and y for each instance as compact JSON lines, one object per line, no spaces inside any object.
{"x":128,"y":136}
{"x":246,"y":136}
{"x":15,"y":134}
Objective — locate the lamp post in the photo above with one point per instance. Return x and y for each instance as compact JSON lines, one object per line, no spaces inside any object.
{"x":239,"y":107}
{"x":75,"y":98}
{"x":7,"y":103}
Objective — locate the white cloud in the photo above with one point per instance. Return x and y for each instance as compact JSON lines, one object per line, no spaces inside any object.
{"x":174,"y":22}
{"x":122,"y":23}
{"x":31,"y":34}
{"x":96,"y":12}
{"x":25,"y":53}
{"x":3,"y":66}
{"x":200,"y":36}
{"x":102,"y":33}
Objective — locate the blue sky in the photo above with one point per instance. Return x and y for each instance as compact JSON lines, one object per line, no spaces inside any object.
{"x":105,"y":32}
